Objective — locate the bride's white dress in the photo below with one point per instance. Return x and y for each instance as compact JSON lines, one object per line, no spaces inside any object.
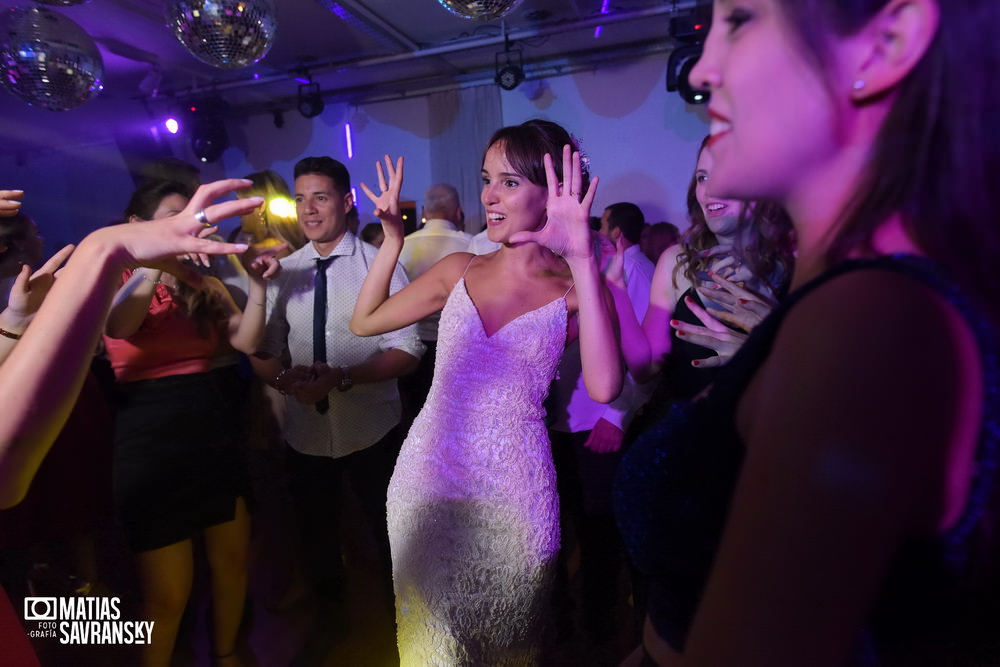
{"x":472,"y":506}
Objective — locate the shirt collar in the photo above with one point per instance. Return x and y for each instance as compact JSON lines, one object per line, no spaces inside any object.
{"x":345,"y":247}
{"x":437,"y":224}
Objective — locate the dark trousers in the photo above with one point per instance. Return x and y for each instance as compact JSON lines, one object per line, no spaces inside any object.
{"x":317,"y":486}
{"x":585,"y":479}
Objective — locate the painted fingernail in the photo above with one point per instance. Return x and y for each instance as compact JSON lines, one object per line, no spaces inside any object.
{"x":680,"y":333}
{"x":674,"y":323}
{"x":743,"y":301}
{"x":696,"y":363}
{"x":711,"y":272}
{"x":716,"y":286}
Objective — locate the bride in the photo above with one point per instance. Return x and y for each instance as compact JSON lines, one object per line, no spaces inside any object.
{"x":472,"y":506}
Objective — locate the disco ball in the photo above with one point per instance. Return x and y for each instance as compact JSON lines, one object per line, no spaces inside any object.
{"x":224,"y":33}
{"x":48,"y":60}
{"x":481,"y":10}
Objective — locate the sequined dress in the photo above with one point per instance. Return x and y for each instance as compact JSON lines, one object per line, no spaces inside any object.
{"x":472,"y":507}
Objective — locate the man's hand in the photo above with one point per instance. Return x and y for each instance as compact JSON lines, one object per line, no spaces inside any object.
{"x":605,"y":437}
{"x":317,"y":384}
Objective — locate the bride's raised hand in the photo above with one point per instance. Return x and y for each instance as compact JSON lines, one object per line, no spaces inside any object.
{"x":387,"y":200}
{"x":567,"y":230}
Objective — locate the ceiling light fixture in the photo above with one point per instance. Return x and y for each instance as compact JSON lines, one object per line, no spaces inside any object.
{"x":310,"y":100}
{"x":690,"y":31}
{"x":510,"y":74}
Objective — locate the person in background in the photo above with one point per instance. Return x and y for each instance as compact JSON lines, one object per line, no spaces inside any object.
{"x":372,"y":234}
{"x":172,"y":423}
{"x":343,"y":408}
{"x":658,"y":237}
{"x":831,"y":500}
{"x":274,"y":221}
{"x":43,"y":373}
{"x":440,"y":236}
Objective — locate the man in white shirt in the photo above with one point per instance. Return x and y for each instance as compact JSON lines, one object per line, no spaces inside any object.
{"x":587,"y":447}
{"x":441,"y":235}
{"x":343,"y":405}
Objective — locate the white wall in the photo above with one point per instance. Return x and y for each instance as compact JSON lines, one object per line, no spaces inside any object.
{"x":642,"y":141}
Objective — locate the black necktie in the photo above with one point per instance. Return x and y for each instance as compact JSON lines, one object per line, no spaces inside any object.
{"x":319,"y":321}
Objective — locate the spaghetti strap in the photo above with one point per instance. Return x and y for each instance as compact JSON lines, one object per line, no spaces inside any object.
{"x":468,"y":265}
{"x":572,"y":285}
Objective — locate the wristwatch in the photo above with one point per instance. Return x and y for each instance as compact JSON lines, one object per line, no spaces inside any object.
{"x":345,"y":379}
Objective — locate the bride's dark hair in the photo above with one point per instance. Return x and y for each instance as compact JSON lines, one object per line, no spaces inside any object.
{"x":526,"y":144}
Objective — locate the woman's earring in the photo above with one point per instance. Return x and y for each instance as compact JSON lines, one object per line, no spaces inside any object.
{"x":859,"y":84}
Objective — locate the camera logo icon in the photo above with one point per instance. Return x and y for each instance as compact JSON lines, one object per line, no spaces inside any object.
{"x":40,"y":609}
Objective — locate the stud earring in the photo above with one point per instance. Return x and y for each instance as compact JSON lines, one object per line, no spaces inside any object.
{"x":859,"y":84}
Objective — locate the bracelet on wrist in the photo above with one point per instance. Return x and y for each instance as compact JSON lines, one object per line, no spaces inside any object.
{"x":146,"y":276}
{"x":277,"y":379}
{"x":9,"y":334}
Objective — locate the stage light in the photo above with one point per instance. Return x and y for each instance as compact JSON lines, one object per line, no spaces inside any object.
{"x":510,"y":74}
{"x":682,"y":60}
{"x":283,"y":207}
{"x":173,"y":127}
{"x":690,"y":32}
{"x":310,"y":100}
{"x":207,"y":128}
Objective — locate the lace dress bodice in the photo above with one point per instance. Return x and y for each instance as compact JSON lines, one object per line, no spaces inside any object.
{"x":472,"y":506}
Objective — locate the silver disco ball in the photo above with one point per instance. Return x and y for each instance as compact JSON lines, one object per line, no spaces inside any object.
{"x":48,"y":60}
{"x":481,"y":10}
{"x":224,"y":33}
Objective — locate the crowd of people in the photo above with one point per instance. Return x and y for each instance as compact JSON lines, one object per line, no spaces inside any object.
{"x":775,"y":433}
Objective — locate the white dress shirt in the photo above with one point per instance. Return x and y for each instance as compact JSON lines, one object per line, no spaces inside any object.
{"x":572,"y":409}
{"x":423,"y":249}
{"x":362,"y":416}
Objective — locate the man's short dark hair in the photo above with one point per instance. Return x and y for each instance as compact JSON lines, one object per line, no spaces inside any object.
{"x":326,"y":166}
{"x":627,"y":217}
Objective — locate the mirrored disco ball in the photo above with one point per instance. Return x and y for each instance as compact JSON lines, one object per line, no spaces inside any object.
{"x":224,"y":33}
{"x":481,"y":10}
{"x":47,"y":60}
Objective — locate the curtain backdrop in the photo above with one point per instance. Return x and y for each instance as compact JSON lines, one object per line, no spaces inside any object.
{"x":457,"y":146}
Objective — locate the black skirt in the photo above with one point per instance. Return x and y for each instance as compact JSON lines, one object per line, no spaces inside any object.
{"x":178,"y":465}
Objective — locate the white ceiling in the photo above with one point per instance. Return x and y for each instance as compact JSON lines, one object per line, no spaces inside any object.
{"x":381,"y":48}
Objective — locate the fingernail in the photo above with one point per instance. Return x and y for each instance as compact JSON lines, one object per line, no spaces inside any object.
{"x":711,"y":272}
{"x":247,"y":181}
{"x":674,"y":322}
{"x":696,"y":363}
{"x":743,"y":301}
{"x":716,"y":286}
{"x":680,"y":333}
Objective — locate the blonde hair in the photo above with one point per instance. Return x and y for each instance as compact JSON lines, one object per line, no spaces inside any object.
{"x":264,"y":223}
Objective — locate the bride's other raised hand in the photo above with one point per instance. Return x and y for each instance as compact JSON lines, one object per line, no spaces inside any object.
{"x":567,"y":230}
{"x":390,"y":183}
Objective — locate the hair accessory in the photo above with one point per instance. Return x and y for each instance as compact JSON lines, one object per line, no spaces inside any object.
{"x":202,"y":218}
{"x":584,"y":158}
{"x":859,"y":84}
